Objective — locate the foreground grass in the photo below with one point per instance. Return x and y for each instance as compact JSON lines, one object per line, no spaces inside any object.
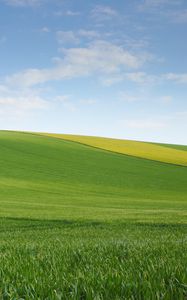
{"x":82,"y":223}
{"x":90,"y":260}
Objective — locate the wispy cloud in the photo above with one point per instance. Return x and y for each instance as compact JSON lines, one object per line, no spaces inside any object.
{"x":99,"y":57}
{"x":145,"y":78}
{"x":177,"y":16}
{"x":101,"y":13}
{"x":155,"y":4}
{"x":45,"y":29}
{"x":65,"y":37}
{"x":112,"y":64}
{"x":169,"y":10}
{"x":23,"y":3}
{"x":178,"y":78}
{"x":21,"y":102}
{"x":69,"y":13}
{"x":28,"y":77}
{"x":89,"y":33}
{"x":140,"y":77}
{"x":72,"y":13}
{"x":75,"y":37}
{"x":112,"y":79}
{"x":29,"y":102}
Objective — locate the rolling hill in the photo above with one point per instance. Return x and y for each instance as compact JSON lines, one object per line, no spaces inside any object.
{"x":79,"y":222}
{"x":43,"y":172}
{"x":173,"y":154}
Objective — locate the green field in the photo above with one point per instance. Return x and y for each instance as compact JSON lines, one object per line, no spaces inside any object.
{"x":173,"y":154}
{"x":79,"y":222}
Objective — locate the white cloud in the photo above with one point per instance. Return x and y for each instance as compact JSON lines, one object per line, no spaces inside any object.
{"x":141,"y":77}
{"x":21,"y":101}
{"x":69,"y":13}
{"x":179,"y":16}
{"x":138,"y":77}
{"x":110,"y":80}
{"x":152,"y":4}
{"x":178,"y":78}
{"x":88,"y":33}
{"x":99,"y":57}
{"x":103,"y":56}
{"x":23,"y":2}
{"x":167,"y":9}
{"x":45,"y":29}
{"x":16,"y":106}
{"x":136,"y":43}
{"x":29,"y":77}
{"x":65,"y":37}
{"x":101,"y":12}
{"x":72,"y":13}
{"x":74,"y":37}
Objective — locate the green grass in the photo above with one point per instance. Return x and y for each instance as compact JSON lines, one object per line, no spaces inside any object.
{"x":172,"y":154}
{"x":82,"y":223}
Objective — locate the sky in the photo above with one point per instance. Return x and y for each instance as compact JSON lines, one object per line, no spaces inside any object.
{"x":105,"y":68}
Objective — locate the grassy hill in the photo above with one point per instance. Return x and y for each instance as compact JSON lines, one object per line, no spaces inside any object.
{"x":44,"y":172}
{"x":173,"y":154}
{"x":78,"y":222}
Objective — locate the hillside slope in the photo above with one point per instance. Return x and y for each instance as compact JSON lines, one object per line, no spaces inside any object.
{"x":165,"y":153}
{"x":45,"y":177}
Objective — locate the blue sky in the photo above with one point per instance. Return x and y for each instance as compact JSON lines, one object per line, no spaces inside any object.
{"x":105,"y":68}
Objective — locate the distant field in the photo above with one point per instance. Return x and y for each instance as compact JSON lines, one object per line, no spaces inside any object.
{"x":78,"y":222}
{"x":178,"y":147}
{"x":174,"y":154}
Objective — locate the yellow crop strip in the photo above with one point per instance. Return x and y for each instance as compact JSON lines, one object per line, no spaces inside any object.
{"x":133,"y":148}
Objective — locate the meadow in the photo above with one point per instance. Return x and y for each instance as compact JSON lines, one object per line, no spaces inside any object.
{"x":79,"y":222}
{"x":173,"y":154}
